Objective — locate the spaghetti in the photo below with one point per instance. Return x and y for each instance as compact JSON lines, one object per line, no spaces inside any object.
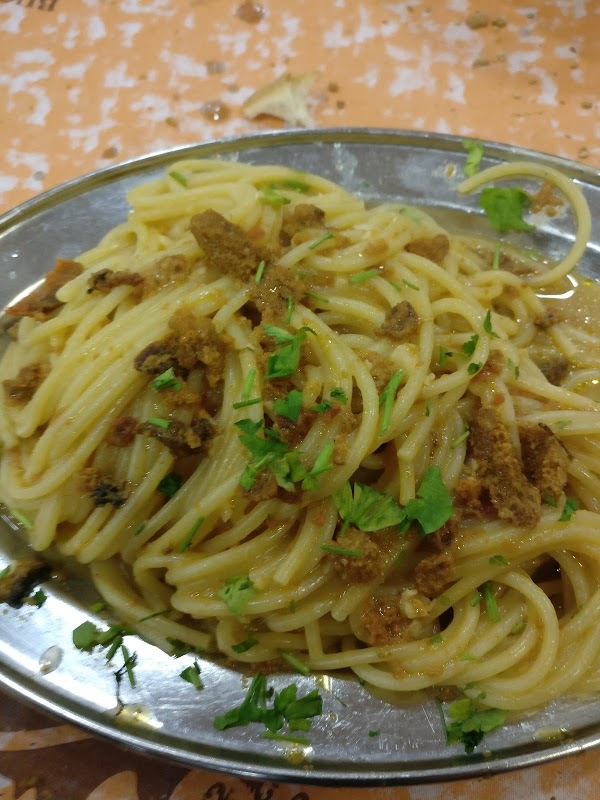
{"x":293,"y":428}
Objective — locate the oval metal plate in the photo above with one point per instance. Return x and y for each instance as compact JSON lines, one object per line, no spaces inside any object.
{"x":164,"y":716}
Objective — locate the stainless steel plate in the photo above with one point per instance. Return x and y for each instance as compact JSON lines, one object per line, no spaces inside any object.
{"x":165,"y":716}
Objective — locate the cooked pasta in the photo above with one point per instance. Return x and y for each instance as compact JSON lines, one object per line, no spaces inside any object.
{"x":297,"y":429}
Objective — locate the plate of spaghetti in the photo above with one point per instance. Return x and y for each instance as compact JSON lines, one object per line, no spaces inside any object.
{"x":301,"y":456}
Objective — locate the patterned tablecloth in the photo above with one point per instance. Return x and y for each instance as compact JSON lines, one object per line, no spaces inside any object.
{"x":86,"y":83}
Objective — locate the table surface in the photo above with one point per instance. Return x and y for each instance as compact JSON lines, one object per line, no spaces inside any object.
{"x":88,"y":83}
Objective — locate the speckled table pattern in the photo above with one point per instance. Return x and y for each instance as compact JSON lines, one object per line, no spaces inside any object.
{"x":89,"y":83}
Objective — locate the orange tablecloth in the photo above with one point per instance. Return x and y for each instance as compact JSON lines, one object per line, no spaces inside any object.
{"x":86,"y":83}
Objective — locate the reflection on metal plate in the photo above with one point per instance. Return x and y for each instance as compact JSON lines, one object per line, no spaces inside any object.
{"x":164,"y":715}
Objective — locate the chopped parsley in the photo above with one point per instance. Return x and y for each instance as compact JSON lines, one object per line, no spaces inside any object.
{"x":253,"y":401}
{"x":474,"y":152}
{"x":373,"y":734}
{"x":159,"y":422}
{"x":273,"y":709}
{"x":155,"y":614}
{"x":474,"y":368}
{"x":191,"y":674}
{"x":87,"y":637}
{"x":166,"y":380}
{"x":236,"y":593}
{"x":513,"y":368}
{"x":177,"y":176}
{"x":475,"y":600}
{"x":38,"y":598}
{"x":316,"y":296}
{"x":5,"y":572}
{"x":366,"y":508}
{"x":570,"y":507}
{"x":487,"y":325}
{"x":491,"y":606}
{"x":291,"y":183}
{"x":295,"y":662}
{"x":248,"y":384}
{"x":270,"y":197}
{"x":284,"y":361}
{"x":360,"y":277}
{"x":187,"y":542}
{"x":468,"y":348}
{"x":460,"y":439}
{"x":437,"y":639}
{"x":496,"y":257}
{"x":95,"y":608}
{"x":260,"y":272}
{"x":387,"y":397}
{"x":341,"y":551}
{"x":244,"y":646}
{"x":321,"y":241}
{"x":170,"y":484}
{"x":411,"y":285}
{"x":323,"y":406}
{"x":322,"y":464}
{"x":469,"y":722}
{"x":444,"y":355}
{"x":504,"y":208}
{"x":339,"y":394}
{"x":550,"y":501}
{"x":432,"y":507}
{"x":289,"y":406}
{"x":498,"y":561}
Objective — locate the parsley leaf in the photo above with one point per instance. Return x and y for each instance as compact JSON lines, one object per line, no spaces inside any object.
{"x":322,"y":464}
{"x":487,"y":325}
{"x":284,"y":361}
{"x":270,"y":197}
{"x":38,"y":598}
{"x":339,"y":394}
{"x":244,"y":646}
{"x":498,"y":561}
{"x":473,"y":368}
{"x":491,"y":606}
{"x":474,"y":151}
{"x":236,"y":593}
{"x":170,"y":484}
{"x":444,"y":355}
{"x":432,"y":507}
{"x":286,"y":707}
{"x":504,"y":208}
{"x":469,"y":723}
{"x":265,"y":452}
{"x":189,"y":538}
{"x":177,"y":176}
{"x":290,"y":406}
{"x":191,"y":674}
{"x":570,"y":507}
{"x":166,"y":380}
{"x":387,"y":397}
{"x":468,"y":348}
{"x":366,"y":508}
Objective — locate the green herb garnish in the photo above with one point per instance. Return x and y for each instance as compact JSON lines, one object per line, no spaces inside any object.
{"x":387,"y":398}
{"x":366,"y":508}
{"x":487,"y":325}
{"x":321,"y":241}
{"x":498,"y":561}
{"x":290,"y":406}
{"x":187,"y":542}
{"x":159,"y":422}
{"x":177,"y":176}
{"x":474,"y":151}
{"x":444,"y":355}
{"x":244,"y":646}
{"x":504,"y":208}
{"x":364,"y":276}
{"x":570,"y":507}
{"x":253,"y":401}
{"x":236,"y":593}
{"x":341,"y":551}
{"x":469,"y":724}
{"x":260,"y":272}
{"x":491,"y":606}
{"x":170,"y":484}
{"x":295,"y":662}
{"x":283,"y":363}
{"x":468,"y":348}
{"x":432,"y":507}
{"x":166,"y":380}
{"x":191,"y":674}
{"x":474,"y":368}
{"x":496,"y":257}
{"x":339,"y":394}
